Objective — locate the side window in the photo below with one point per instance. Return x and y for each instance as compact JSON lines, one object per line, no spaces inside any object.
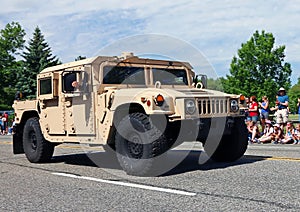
{"x":68,"y":82}
{"x":46,"y":86}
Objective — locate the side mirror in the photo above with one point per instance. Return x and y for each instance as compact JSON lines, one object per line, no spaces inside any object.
{"x":195,"y":80}
{"x":203,"y":80}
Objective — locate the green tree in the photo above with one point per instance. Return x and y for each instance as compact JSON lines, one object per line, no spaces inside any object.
{"x":259,"y":68}
{"x":11,"y":43}
{"x":294,"y":94}
{"x":38,"y":56}
{"x":214,"y":84}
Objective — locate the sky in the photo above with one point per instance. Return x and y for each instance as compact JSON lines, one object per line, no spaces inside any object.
{"x":207,"y":33}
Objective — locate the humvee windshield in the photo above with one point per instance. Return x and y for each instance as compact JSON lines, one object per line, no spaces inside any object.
{"x":136,"y":75}
{"x":170,"y":76}
{"x":123,"y":75}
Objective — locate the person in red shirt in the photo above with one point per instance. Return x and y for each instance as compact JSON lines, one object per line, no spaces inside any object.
{"x":5,"y":122}
{"x":253,"y":109}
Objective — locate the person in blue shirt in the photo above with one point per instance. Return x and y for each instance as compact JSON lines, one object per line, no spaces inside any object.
{"x":1,"y":125}
{"x":264,"y":111}
{"x":282,"y":103}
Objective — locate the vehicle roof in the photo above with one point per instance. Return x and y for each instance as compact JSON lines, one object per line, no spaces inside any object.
{"x":100,"y":59}
{"x":69,"y":65}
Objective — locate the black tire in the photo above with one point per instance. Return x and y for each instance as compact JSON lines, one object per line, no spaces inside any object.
{"x":231,"y":147}
{"x":37,"y":149}
{"x":138,"y":143}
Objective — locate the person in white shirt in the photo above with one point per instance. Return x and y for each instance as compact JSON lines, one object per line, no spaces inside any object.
{"x":267,"y":133}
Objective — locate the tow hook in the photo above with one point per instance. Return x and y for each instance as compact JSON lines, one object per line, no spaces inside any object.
{"x":230,"y":122}
{"x":200,"y":124}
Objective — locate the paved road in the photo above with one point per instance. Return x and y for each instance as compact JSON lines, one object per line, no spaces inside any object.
{"x":265,"y":179}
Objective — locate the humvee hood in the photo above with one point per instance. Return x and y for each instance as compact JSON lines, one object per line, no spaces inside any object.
{"x":199,"y":93}
{"x":174,"y":93}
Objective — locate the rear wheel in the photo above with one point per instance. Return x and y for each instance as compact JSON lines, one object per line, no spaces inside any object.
{"x":138,"y":143}
{"x":232,"y":146}
{"x":37,"y":149}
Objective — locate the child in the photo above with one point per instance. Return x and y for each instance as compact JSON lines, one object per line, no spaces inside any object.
{"x":267,"y":134}
{"x":296,"y":134}
{"x":288,"y":137}
{"x":253,"y":132}
{"x":277,"y":134}
{"x":11,"y":129}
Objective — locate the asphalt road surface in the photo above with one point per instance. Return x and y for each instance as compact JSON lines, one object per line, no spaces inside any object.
{"x":267,"y":178}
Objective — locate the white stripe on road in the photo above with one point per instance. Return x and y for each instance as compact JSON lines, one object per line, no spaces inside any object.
{"x":133,"y":185}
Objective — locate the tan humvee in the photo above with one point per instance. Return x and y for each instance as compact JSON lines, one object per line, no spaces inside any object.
{"x":140,"y":107}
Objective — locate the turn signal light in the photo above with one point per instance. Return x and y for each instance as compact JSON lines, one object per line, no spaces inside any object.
{"x":242,"y":99}
{"x":159,"y":100}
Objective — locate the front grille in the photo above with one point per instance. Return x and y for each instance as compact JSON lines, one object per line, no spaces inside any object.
{"x":213,"y":106}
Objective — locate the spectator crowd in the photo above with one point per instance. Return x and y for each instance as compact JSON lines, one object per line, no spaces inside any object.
{"x":261,"y":129}
{"x":5,"y":129}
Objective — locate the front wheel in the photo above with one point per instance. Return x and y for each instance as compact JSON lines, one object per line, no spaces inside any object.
{"x":232,"y":146}
{"x":37,"y":149}
{"x":138,"y":142}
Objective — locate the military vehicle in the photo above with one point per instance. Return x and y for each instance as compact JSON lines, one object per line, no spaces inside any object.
{"x":139,"y":107}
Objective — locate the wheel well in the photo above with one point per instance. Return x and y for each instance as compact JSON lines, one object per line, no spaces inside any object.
{"x":18,"y":132}
{"x":120,"y":112}
{"x":123,"y":110}
{"x":27,"y":115}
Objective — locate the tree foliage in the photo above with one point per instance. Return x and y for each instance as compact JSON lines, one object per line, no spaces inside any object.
{"x":294,"y":94}
{"x":38,"y":56}
{"x":214,"y":84}
{"x":11,"y":43}
{"x":259,"y":68}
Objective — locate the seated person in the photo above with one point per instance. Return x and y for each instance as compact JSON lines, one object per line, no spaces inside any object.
{"x":11,"y":129}
{"x":288,"y":137}
{"x":296,"y":134}
{"x":253,"y":132}
{"x":277,"y":134}
{"x":267,"y":134}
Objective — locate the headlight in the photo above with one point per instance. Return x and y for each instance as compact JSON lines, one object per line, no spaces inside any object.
{"x":190,"y":106}
{"x":234,"y":105}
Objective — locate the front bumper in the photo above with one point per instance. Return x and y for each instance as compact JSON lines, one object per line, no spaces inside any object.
{"x":201,"y":129}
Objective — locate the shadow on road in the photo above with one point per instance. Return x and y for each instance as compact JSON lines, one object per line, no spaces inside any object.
{"x":188,"y":164}
{"x":191,"y":163}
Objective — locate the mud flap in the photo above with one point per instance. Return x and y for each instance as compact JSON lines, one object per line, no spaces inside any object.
{"x":18,"y":142}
